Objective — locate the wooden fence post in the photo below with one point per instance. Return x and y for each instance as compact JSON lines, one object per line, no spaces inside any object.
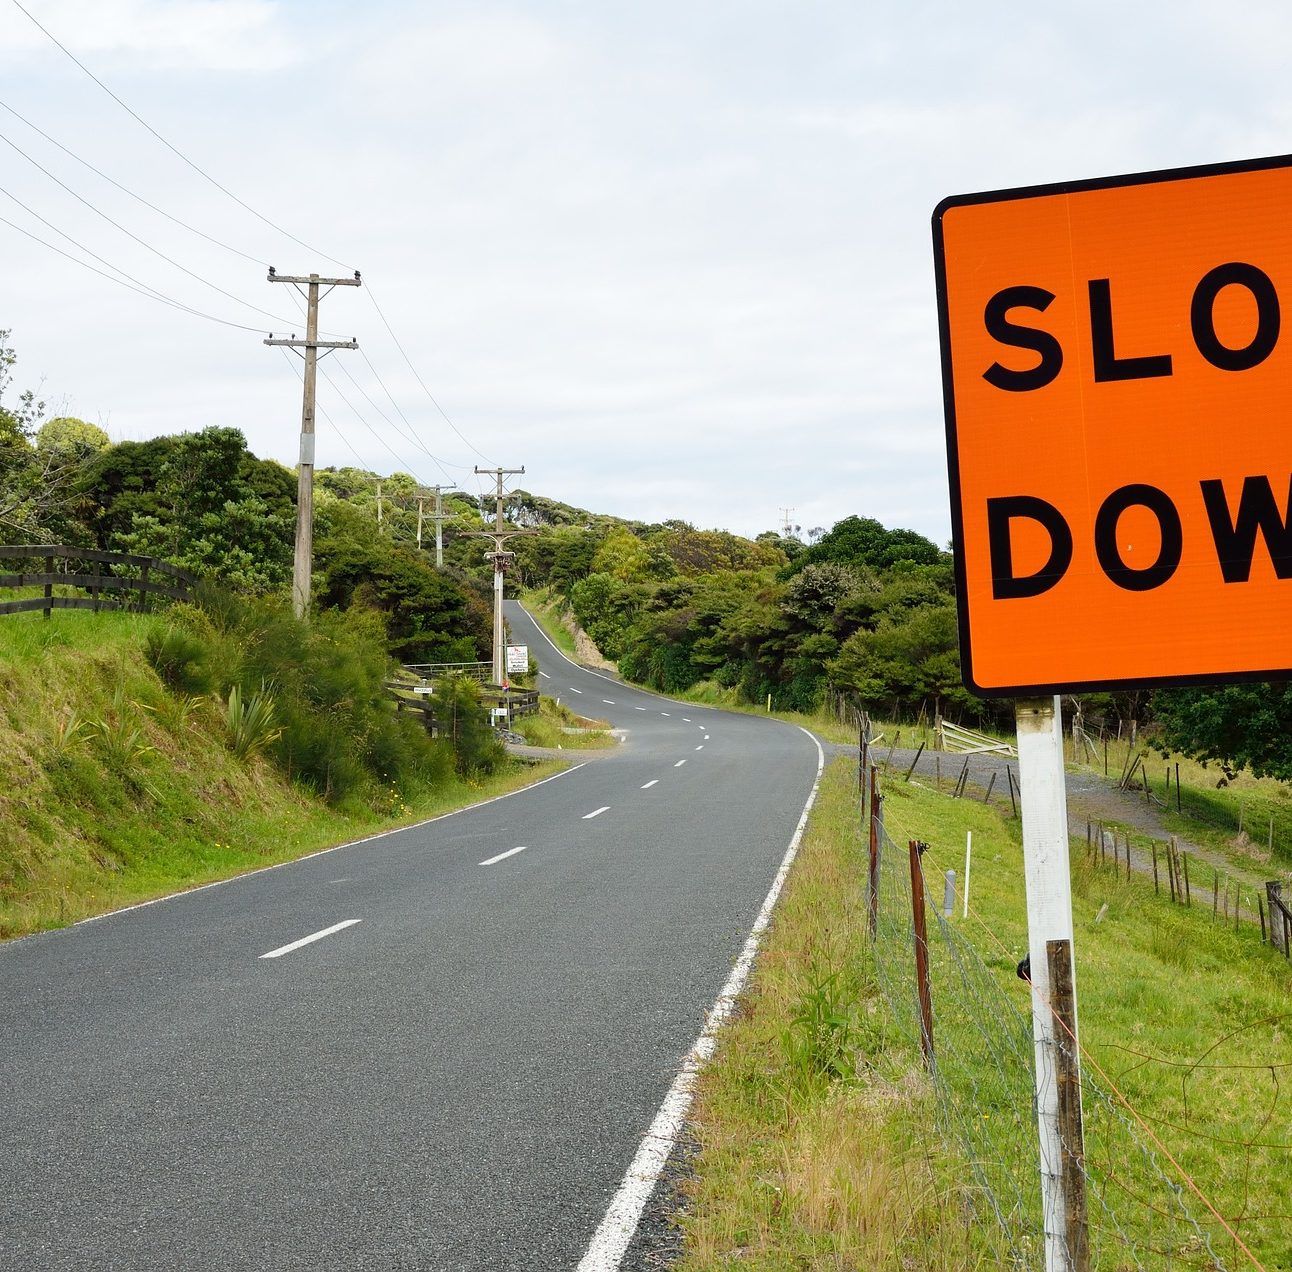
{"x":872,"y":892}
{"x":49,"y":587}
{"x":1067,"y":1074}
{"x":921,"y":953}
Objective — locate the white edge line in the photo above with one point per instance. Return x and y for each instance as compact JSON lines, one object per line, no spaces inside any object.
{"x":279,"y":865}
{"x":502,"y":856}
{"x":309,"y":940}
{"x":620,"y":1223}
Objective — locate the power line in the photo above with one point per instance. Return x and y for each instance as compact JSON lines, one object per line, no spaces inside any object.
{"x":126,"y":190}
{"x":133,"y":285}
{"x":178,"y":153}
{"x":155,"y":251}
{"x":413,"y":369}
{"x":80,"y":247}
{"x":403,"y":465}
{"x":300,"y":375}
{"x":241,"y":203}
{"x":411,"y":437}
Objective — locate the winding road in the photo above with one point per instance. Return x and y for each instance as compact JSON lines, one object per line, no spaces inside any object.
{"x":437,"y":1048}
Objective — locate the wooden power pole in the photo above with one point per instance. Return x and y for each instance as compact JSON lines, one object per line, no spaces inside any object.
{"x":501,"y":559}
{"x":437,"y":516}
{"x":304,"y":556}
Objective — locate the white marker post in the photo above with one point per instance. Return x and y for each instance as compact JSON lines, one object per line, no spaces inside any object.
{"x":1049,"y":918}
{"x":968,"y":857}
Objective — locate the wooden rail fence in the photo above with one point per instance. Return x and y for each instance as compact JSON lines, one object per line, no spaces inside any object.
{"x":113,"y":580}
{"x":498,"y":705}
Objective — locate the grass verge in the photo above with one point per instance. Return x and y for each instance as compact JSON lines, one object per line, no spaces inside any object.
{"x":823,"y":1144}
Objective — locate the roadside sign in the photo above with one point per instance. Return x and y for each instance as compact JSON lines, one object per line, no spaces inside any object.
{"x":1118,"y":397}
{"x":517,"y":659}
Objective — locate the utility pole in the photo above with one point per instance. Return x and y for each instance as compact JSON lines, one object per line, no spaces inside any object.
{"x":788,"y":527}
{"x":379,"y":505}
{"x":437,"y":517}
{"x":304,"y":556}
{"x":501,"y":558}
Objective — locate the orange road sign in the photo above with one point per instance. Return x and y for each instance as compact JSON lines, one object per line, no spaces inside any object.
{"x":1118,"y":393}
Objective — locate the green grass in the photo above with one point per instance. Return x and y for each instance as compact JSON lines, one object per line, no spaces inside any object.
{"x":114,"y":790}
{"x":817,"y":1126}
{"x":545,"y":608}
{"x":556,"y":725}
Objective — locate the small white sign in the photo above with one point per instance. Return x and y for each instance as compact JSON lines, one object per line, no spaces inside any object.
{"x":517,"y":659}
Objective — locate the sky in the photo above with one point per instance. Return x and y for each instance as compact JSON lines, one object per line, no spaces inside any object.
{"x":673,"y":259}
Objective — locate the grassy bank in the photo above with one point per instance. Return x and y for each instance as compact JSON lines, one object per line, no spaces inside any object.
{"x":115,"y":788}
{"x":824,"y":1143}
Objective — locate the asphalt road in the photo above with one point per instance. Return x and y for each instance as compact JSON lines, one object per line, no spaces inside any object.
{"x":457,"y":1079}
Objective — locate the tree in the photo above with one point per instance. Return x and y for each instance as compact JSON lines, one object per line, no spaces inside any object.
{"x":1242,"y":726}
{"x":201,"y":500}
{"x":430,"y":617}
{"x":70,"y":436}
{"x":36,"y":488}
{"x":865,"y":541}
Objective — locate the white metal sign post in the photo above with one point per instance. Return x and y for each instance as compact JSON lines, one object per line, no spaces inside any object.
{"x":1049,"y":918}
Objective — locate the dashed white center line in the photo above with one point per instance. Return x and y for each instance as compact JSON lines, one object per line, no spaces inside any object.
{"x":511,"y":852}
{"x":664,"y":713}
{"x":686,"y":719}
{"x":653,"y":782}
{"x":607,"y":702}
{"x":700,"y":747}
{"x":639,"y":708}
{"x":306,"y":940}
{"x":574,"y":690}
{"x":545,"y":675}
{"x":679,"y":764}
{"x":596,"y":812}
{"x":706,"y":737}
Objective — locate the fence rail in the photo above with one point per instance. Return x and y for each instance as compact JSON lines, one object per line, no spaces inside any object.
{"x":127,"y":573}
{"x":951,"y":737}
{"x":495,"y":704}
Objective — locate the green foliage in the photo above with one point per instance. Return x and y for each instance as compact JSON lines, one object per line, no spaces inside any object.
{"x":865,"y":541}
{"x":905,"y":658}
{"x":200,"y":500}
{"x":120,"y":735}
{"x":429,"y":616}
{"x":251,"y":722}
{"x":461,"y":720}
{"x":1242,"y":726}
{"x":67,"y":434}
{"x":821,"y":1036}
{"x":179,"y":657}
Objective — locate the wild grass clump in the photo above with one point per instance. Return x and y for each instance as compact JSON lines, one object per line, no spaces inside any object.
{"x":251,"y":722}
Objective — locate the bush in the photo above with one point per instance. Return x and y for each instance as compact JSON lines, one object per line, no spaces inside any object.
{"x":329,"y":723}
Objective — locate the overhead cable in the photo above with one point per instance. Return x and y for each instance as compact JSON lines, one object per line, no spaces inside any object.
{"x":71,"y":154}
{"x":174,"y":150}
{"x":133,"y":285}
{"x":413,"y":369}
{"x":206,"y":282}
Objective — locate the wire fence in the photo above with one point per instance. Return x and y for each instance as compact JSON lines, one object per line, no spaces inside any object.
{"x":1141,"y":1209}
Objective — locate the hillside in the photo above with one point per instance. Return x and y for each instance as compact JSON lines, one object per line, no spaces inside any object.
{"x":115,"y":786}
